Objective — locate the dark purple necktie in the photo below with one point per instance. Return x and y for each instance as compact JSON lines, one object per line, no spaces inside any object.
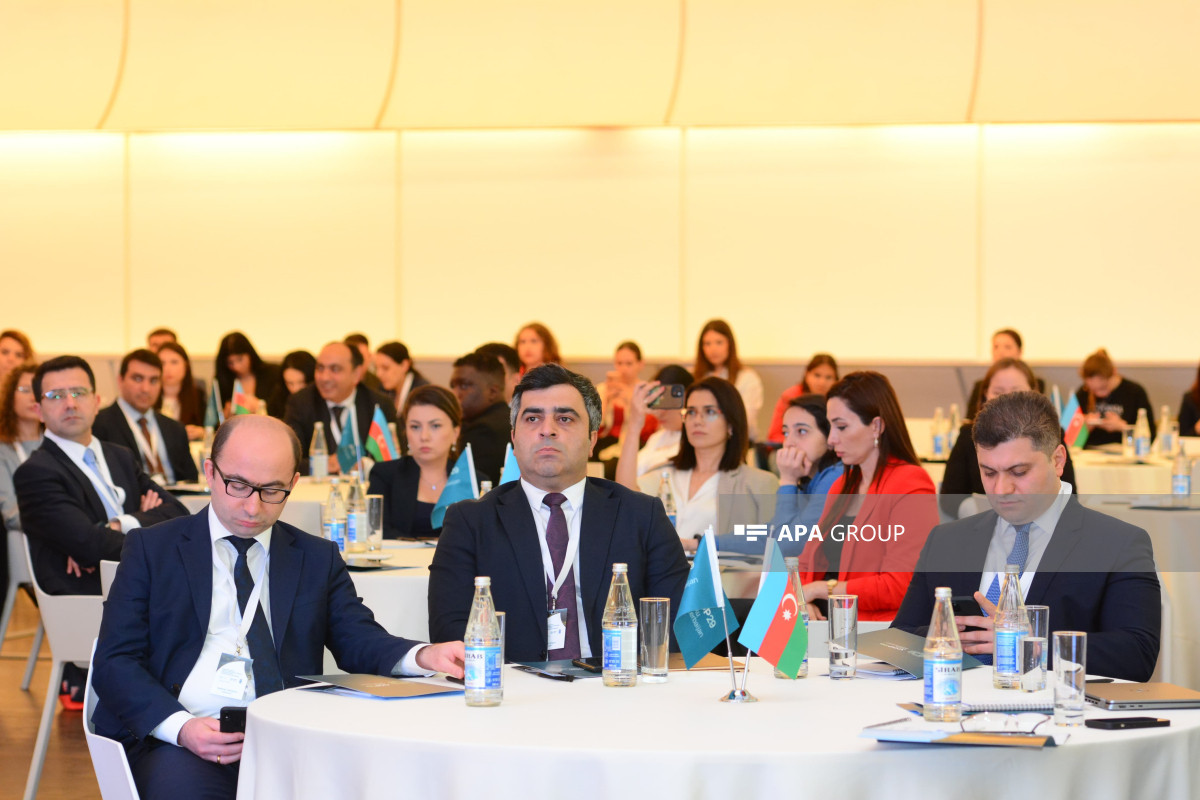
{"x":556,"y":542}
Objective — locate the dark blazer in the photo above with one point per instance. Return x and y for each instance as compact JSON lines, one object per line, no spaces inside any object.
{"x":112,"y":426}
{"x":265,"y":378}
{"x":962,"y":473}
{"x":1097,"y":575}
{"x":306,"y":407}
{"x":489,"y":435}
{"x":158,"y":609}
{"x":399,"y":481}
{"x":1189,"y":416}
{"x":976,"y":398}
{"x":497,"y":536}
{"x":64,"y":516}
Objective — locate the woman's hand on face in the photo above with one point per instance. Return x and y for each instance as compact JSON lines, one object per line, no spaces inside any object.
{"x":793,"y":464}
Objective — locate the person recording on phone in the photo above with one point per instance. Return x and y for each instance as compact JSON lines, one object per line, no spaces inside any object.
{"x":270,"y":599}
{"x":1095,"y":572}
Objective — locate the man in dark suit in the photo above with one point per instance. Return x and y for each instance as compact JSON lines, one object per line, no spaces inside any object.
{"x":174,"y":618}
{"x":336,"y":390}
{"x":549,"y":540}
{"x":478,"y":383}
{"x":363,"y":345}
{"x":132,"y":421}
{"x":77,"y":495}
{"x":1096,"y":573}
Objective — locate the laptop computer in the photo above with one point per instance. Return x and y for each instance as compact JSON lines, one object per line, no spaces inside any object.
{"x":1132,"y":696}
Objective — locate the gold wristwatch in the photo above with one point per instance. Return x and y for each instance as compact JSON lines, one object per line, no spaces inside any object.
{"x":832,"y":584}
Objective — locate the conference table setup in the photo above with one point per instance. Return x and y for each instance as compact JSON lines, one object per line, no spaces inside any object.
{"x":675,"y":740}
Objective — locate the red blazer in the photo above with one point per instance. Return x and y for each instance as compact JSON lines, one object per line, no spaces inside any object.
{"x":879,"y":572}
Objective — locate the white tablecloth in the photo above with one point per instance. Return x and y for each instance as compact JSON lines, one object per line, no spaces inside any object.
{"x":675,"y":740}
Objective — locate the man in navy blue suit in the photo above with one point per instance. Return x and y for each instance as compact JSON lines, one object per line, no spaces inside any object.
{"x":224,"y":606}
{"x":1096,"y":573}
{"x":549,"y":540}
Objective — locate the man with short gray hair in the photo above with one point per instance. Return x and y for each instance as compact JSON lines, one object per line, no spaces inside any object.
{"x":1096,"y":573}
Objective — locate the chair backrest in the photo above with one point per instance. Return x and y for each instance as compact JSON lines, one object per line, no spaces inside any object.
{"x":108,"y":571}
{"x":18,"y":571}
{"x":72,"y":621}
{"x":108,"y":757}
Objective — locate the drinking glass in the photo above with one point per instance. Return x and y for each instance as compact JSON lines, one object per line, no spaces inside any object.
{"x":654,"y":620}
{"x":843,"y":636}
{"x":375,"y":521}
{"x":1070,"y":672}
{"x":1034,"y":650}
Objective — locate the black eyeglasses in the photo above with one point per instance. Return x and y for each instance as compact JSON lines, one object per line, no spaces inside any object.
{"x":242,"y":490}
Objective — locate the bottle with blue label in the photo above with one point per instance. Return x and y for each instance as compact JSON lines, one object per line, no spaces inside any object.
{"x":619,"y":626}
{"x":666,"y":495}
{"x":1012,"y":626}
{"x":1168,"y":433}
{"x":318,"y":453}
{"x":938,"y":429}
{"x":334,"y":515}
{"x":943,"y":662}
{"x":953,"y":428}
{"x":1181,"y":479}
{"x":1141,"y":434}
{"x":481,"y":664}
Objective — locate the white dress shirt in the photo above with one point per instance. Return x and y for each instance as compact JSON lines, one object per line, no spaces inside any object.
{"x":1039,"y":536}
{"x":132,"y":415}
{"x":103,"y":482}
{"x":573,"y":510}
{"x":350,"y":408}
{"x":693,"y":515}
{"x":224,"y":623}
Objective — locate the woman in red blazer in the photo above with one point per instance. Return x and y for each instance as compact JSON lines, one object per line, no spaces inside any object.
{"x":884,"y":493}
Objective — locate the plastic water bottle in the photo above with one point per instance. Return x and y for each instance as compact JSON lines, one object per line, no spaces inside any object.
{"x":1141,"y":435}
{"x":619,"y":625}
{"x":318,"y":453}
{"x":335,"y":517}
{"x":1168,"y":433}
{"x":1012,"y":625}
{"x":943,"y":662}
{"x":1181,"y":479}
{"x":793,"y":568}
{"x":481,"y":663}
{"x":357,"y":529}
{"x":666,"y":495}
{"x":952,"y":429}
{"x":939,"y":433}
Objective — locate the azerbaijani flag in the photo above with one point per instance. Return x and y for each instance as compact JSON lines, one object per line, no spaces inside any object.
{"x":241,"y":403}
{"x":460,"y":485}
{"x":213,"y":415}
{"x":1075,"y":431}
{"x":510,"y":471}
{"x":380,"y":443}
{"x":771,"y":629}
{"x":703,"y":610}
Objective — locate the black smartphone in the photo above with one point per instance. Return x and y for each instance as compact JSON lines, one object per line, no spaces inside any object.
{"x":670,"y":398}
{"x":233,"y":719}
{"x":1122,"y":723}
{"x":965,"y":605}
{"x":453,"y":679}
{"x":589,"y":664}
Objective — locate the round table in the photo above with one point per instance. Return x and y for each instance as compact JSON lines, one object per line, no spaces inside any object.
{"x":399,"y":598}
{"x":675,"y":740}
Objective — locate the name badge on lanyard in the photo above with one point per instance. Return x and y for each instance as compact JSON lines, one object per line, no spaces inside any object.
{"x":235,"y":671}
{"x":556,"y":620}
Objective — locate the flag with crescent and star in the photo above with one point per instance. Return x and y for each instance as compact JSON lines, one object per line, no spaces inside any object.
{"x":771,"y":629}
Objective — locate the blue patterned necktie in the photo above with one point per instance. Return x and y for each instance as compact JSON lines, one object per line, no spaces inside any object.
{"x":1018,"y":555}
{"x":89,"y":458}
{"x":262,"y":648}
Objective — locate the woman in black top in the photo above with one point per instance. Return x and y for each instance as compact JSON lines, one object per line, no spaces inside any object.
{"x":237,"y":360}
{"x":1189,"y":410}
{"x":962,"y":468}
{"x":1109,"y":402}
{"x":411,"y":485}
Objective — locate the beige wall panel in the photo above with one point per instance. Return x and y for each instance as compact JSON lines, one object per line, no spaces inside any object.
{"x":288,"y":237}
{"x":780,"y":62}
{"x":277,"y":64}
{"x":1066,"y":60}
{"x":1090,"y":238}
{"x":534,"y":63}
{"x":577,"y":229}
{"x":58,"y":62}
{"x":61,"y":240}
{"x":857,"y":241}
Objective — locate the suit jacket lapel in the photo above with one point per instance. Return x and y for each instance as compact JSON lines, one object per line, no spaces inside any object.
{"x":195,"y":550}
{"x":595,"y":542}
{"x":1062,"y":542}
{"x":95,"y":504}
{"x":516,"y":519}
{"x":286,"y":561}
{"x":126,"y":431}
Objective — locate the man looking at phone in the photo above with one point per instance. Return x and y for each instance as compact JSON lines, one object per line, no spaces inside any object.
{"x":1096,"y":573}
{"x":549,"y":540}
{"x":224,"y":606}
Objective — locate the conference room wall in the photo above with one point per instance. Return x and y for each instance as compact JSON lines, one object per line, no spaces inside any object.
{"x":894,"y":243}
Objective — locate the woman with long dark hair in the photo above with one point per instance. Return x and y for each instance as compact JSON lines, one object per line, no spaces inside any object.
{"x":297,"y":372}
{"x":182,"y":399}
{"x":717,"y":355}
{"x":819,"y":376}
{"x":237,"y":360}
{"x":883,"y":486}
{"x":396,"y":372}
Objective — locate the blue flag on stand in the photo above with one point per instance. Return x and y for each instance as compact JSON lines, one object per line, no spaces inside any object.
{"x":213,"y":416}
{"x":347,"y":452}
{"x":460,"y":485}
{"x":510,"y":471}
{"x":700,"y":623}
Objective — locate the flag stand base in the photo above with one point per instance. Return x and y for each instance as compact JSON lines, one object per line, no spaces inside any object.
{"x":739,"y":696}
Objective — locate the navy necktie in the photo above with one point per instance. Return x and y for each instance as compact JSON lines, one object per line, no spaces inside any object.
{"x":1018,"y":555}
{"x":262,"y":649}
{"x":556,"y":543}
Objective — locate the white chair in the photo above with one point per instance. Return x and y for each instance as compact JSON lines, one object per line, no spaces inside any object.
{"x":108,"y":571}
{"x":72,"y":623}
{"x":18,"y":573}
{"x":108,"y":756}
